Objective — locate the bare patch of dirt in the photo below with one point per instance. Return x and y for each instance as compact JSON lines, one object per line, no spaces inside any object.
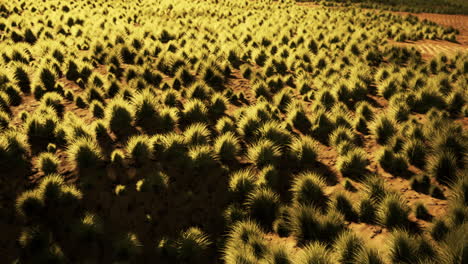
{"x":375,"y":236}
{"x":239,"y":84}
{"x":432,"y":48}
{"x":288,"y":243}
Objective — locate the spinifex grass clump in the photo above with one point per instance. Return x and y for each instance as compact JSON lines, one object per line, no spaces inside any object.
{"x":383,"y":129}
{"x":393,"y":212}
{"x":393,"y":163}
{"x":416,"y":152}
{"x":245,"y":244}
{"x":75,"y":128}
{"x":195,"y":111}
{"x":41,"y":128}
{"x":421,"y":183}
{"x":264,"y":153}
{"x":22,"y":79}
{"x":365,"y":110}
{"x":97,"y":108}
{"x":48,"y":163}
{"x":437,"y":192}
{"x":53,"y":100}
{"x":234,"y":213}
{"x":396,"y":144}
{"x":14,"y":95}
{"x":353,"y":164}
{"x":156,"y":182}
{"x":171,"y":98}
{"x":248,"y":125}
{"x":271,"y":178}
{"x":340,"y":115}
{"x":203,"y":159}
{"x":308,"y":224}
{"x":449,"y":138}
{"x":345,"y":206}
{"x":50,"y":197}
{"x":368,"y":211}
{"x":261,"y":90}
{"x":321,"y":126}
{"x":89,"y":229}
{"x":439,"y":230}
{"x":455,"y":103}
{"x":404,"y":248}
{"x":263,"y":205}
{"x":29,"y":204}
{"x":281,"y":226}
{"x":375,"y":190}
{"x":399,"y":111}
{"x":303,"y":151}
{"x":282,"y":99}
{"x":117,"y":159}
{"x":241,"y":183}
{"x":369,"y":255}
{"x":172,"y":149}
{"x":4,"y":103}
{"x":4,"y":120}
{"x":146,"y":110}
{"x":298,"y":119}
{"x":345,"y":147}
{"x":199,"y":90}
{"x":460,"y":191}
{"x":307,"y":189}
{"x":454,"y":245}
{"x":422,"y":212}
{"x":218,"y":107}
{"x":326,"y":99}
{"x":342,"y":134}
{"x":47,"y":79}
{"x":275,"y":132}
{"x":192,"y":246}
{"x":227,"y":147}
{"x":119,"y":116}
{"x":315,"y":253}
{"x":13,"y":150}
{"x":197,"y":134}
{"x":213,"y":76}
{"x":388,"y":88}
{"x":279,"y":254}
{"x":139,"y":149}
{"x":85,"y":154}
{"x":443,"y":167}
{"x":348,"y":245}
{"x":94,"y":92}
{"x":427,"y":98}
